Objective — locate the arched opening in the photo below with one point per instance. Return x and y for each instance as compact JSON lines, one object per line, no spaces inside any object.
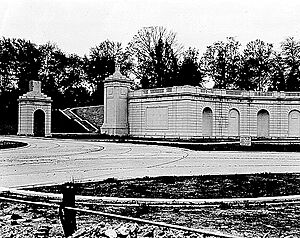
{"x":39,"y":123}
{"x":234,"y":123}
{"x":263,"y":121}
{"x":207,"y":122}
{"x":294,"y":123}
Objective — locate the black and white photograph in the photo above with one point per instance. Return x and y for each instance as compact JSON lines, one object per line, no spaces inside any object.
{"x":149,"y":119}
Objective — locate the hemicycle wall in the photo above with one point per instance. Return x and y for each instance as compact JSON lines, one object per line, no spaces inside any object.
{"x":193,"y":112}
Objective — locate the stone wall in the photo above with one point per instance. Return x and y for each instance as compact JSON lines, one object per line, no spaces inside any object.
{"x":192,"y":112}
{"x":26,"y":117}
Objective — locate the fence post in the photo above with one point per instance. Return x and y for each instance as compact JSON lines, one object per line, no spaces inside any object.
{"x":68,"y":217}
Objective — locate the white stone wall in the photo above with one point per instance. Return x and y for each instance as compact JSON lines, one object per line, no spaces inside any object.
{"x":26,"y":117}
{"x":177,"y":112}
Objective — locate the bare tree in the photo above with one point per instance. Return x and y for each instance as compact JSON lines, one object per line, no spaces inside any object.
{"x":156,"y":52}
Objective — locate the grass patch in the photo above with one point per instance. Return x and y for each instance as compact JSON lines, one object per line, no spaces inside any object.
{"x":196,"y":187}
{"x":11,"y":144}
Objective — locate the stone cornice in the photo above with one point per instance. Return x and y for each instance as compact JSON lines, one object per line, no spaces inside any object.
{"x":35,"y":99}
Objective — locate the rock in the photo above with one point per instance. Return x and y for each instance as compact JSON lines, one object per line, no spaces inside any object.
{"x":111,"y":233}
{"x":123,"y":231}
{"x":133,"y":230}
{"x":160,"y":233}
{"x":79,"y":233}
{"x":102,"y":224}
{"x":149,"y":233}
{"x":194,"y":235}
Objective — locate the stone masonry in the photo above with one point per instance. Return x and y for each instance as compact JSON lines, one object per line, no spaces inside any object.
{"x":194,"y":112}
{"x":116,"y":89}
{"x":34,"y":108}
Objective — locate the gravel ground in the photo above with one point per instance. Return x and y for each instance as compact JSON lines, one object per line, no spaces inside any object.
{"x":21,"y":221}
{"x":18,"y":220}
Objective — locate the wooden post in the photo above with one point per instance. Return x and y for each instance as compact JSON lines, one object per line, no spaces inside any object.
{"x":68,"y":217}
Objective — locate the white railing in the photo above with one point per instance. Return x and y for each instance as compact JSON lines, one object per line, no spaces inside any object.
{"x":77,"y":119}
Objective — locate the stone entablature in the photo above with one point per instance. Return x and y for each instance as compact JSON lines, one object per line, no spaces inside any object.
{"x":33,"y":105}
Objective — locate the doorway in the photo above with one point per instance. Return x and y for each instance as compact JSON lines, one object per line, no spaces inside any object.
{"x":39,"y":123}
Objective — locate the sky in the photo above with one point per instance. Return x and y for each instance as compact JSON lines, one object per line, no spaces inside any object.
{"x":77,"y":25}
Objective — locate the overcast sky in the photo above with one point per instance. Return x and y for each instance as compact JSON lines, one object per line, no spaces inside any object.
{"x":78,"y":25}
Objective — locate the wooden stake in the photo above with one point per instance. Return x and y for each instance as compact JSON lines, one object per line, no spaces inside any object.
{"x":68,"y":217}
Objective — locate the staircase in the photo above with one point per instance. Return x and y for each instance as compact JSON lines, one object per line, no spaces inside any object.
{"x":86,"y":125}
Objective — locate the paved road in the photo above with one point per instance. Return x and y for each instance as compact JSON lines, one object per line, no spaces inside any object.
{"x":50,"y":161}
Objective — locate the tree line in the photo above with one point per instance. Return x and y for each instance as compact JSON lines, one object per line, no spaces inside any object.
{"x":154,"y":57}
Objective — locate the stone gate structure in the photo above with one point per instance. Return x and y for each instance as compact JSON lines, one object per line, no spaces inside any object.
{"x":194,"y":112}
{"x":34,"y":117}
{"x":116,"y":88}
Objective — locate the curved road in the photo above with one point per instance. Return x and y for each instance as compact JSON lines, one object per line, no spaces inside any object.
{"x":51,"y":161}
